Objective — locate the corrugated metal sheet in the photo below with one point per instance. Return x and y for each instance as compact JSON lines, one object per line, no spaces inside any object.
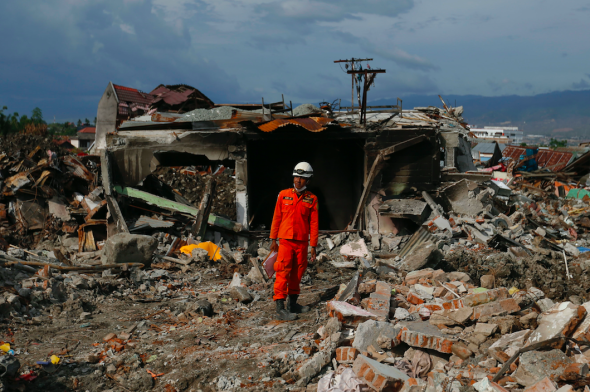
{"x":312,"y":124}
{"x":546,"y":159}
{"x":485,"y":148}
{"x":419,"y":238}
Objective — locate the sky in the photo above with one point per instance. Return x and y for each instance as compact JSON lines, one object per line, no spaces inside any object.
{"x":60,"y":55}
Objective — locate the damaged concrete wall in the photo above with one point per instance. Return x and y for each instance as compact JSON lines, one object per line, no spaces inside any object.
{"x":106,"y":116}
{"x":133,"y":151}
{"x":457,"y":151}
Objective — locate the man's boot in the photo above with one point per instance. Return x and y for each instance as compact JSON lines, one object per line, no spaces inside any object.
{"x":282,"y":313}
{"x":294,"y":307}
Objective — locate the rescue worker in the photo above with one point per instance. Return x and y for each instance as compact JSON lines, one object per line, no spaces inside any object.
{"x":294,"y":224}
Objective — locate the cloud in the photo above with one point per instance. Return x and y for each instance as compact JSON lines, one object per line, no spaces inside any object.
{"x":312,"y":11}
{"x":405,"y":59}
{"x":127,"y":28}
{"x":73,"y":49}
{"x":582,"y":85}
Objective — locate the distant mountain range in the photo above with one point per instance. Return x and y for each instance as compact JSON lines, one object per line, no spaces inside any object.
{"x":560,"y":114}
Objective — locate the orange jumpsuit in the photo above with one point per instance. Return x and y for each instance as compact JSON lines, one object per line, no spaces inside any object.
{"x":295,"y":221}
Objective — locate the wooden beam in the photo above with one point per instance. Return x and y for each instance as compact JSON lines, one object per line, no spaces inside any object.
{"x":200,"y":225}
{"x":107,"y":183}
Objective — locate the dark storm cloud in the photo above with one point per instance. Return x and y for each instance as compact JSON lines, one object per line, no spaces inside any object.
{"x":63,"y":54}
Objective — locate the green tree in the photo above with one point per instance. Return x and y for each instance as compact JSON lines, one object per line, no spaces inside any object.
{"x":4,"y":123}
{"x":37,"y":116}
{"x":554,"y":143}
{"x":79,"y":122}
{"x":86,"y":121}
{"x":94,"y":121}
{"x":14,"y":122}
{"x":523,"y":144}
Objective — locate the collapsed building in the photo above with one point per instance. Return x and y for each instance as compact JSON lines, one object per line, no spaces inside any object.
{"x":398,"y":153}
{"x":140,"y":267}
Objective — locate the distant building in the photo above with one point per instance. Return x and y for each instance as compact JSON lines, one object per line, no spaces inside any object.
{"x":86,"y":137}
{"x":499,"y":134}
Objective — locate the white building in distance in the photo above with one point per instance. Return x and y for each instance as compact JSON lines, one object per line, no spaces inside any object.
{"x":499,"y":133}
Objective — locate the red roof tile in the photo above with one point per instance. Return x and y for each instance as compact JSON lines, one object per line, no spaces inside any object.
{"x":553,"y":160}
{"x":87,"y":130}
{"x":128,"y":94}
{"x":177,"y":94}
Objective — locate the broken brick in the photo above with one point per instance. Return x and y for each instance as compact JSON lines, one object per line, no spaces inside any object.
{"x":346,"y":354}
{"x":425,"y":335}
{"x":461,"y":350}
{"x":414,"y":299}
{"x":485,"y":297}
{"x":496,"y":308}
{"x":110,"y":336}
{"x":349,"y":314}
{"x":378,"y":376}
{"x":545,"y":385}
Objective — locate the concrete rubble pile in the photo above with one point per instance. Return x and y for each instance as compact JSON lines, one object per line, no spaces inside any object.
{"x":156,"y":286}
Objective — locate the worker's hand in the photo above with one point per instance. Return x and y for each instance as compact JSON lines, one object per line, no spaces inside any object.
{"x":313,"y":255}
{"x":274,"y":247}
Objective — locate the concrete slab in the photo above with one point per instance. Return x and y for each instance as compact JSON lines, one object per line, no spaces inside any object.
{"x":536,"y":365}
{"x":560,"y":320}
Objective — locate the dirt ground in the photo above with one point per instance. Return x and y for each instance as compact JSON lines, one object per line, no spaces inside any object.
{"x":240,"y":345}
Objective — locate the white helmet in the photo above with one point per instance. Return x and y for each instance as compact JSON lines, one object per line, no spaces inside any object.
{"x":303,"y":169}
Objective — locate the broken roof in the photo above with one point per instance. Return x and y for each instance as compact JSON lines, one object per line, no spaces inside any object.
{"x":546,"y":159}
{"x":179,"y":97}
{"x":132,"y":95}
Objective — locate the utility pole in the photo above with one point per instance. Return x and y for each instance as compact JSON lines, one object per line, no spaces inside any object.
{"x":369,"y":77}
{"x":353,"y":65}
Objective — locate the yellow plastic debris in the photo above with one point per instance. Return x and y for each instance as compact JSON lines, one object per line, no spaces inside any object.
{"x":54,"y":359}
{"x":209,"y":246}
{"x":5,"y":347}
{"x":513,"y":290}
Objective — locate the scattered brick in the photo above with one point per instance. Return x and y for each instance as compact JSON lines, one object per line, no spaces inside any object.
{"x":378,"y":376}
{"x":496,"y":308}
{"x":349,"y":314}
{"x":545,"y":385}
{"x":346,"y":354}
{"x":486,"y":296}
{"x":110,"y":336}
{"x":425,"y":335}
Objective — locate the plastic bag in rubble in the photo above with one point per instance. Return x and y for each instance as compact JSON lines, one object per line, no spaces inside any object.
{"x":345,"y":382}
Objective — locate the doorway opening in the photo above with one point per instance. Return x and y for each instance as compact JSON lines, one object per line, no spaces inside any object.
{"x":337,"y":181}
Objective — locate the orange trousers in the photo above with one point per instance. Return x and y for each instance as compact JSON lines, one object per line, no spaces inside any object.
{"x":289,"y":268}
